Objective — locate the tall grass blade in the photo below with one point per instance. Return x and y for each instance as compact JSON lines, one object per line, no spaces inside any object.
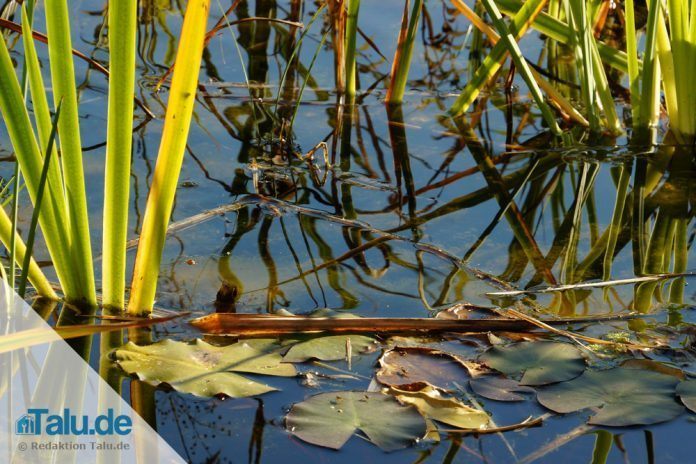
{"x":170,"y":157}
{"x":295,"y":52}
{"x":37,"y":206}
{"x":649,"y":77}
{"x":494,"y":61}
{"x":64,"y":88}
{"x":561,"y":32}
{"x":404,"y":52}
{"x":122,"y":45}
{"x":351,"y":36}
{"x":583,"y":53}
{"x":516,"y":54}
{"x":306,"y":80}
{"x":52,"y":218}
{"x":632,"y":54}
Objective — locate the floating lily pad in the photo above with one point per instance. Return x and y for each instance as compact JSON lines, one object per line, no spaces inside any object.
{"x":330,"y":348}
{"x":655,"y":366}
{"x":203,"y":369}
{"x":626,"y":397}
{"x":687,"y":392}
{"x":539,"y":363}
{"x":499,"y":388}
{"x":413,"y":368}
{"x":432,"y":405}
{"x":330,"y":419}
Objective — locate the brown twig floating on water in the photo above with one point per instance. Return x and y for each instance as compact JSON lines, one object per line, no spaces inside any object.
{"x":270,"y":325}
{"x":586,"y":285}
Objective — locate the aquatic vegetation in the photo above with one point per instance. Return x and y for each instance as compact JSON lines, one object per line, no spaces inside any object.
{"x":122,"y":47}
{"x":203,"y":369}
{"x":624,"y":396}
{"x":484,"y":229}
{"x":330,"y":419}
{"x":63,"y":218}
{"x":171,"y":154}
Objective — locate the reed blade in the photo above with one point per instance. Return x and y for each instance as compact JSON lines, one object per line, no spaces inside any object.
{"x":122,"y":45}
{"x":24,"y":142}
{"x":65,"y":90}
{"x":177,"y":122}
{"x":404,"y":52}
{"x":351,"y":36}
{"x":508,"y":39}
{"x":26,"y":263}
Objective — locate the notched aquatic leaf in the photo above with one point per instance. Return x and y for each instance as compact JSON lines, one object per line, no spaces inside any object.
{"x":203,"y":369}
{"x":625,"y":397}
{"x":499,"y":388}
{"x":687,"y":393}
{"x":413,"y":368}
{"x":332,"y":348}
{"x":539,"y":363}
{"x":432,"y":405}
{"x":330,"y":419}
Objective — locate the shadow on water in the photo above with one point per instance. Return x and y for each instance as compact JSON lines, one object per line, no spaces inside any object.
{"x":408,"y":213}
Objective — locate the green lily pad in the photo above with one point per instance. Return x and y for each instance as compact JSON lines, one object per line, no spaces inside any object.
{"x":687,"y":392}
{"x":330,"y":419}
{"x":332,"y":348}
{"x":203,"y":369}
{"x":499,"y":388}
{"x":539,"y":363}
{"x":625,"y":397}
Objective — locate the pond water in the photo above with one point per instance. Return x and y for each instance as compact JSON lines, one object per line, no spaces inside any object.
{"x":409,"y":215}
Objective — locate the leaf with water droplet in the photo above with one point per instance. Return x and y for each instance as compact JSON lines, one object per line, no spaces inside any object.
{"x":539,"y":363}
{"x":203,"y":369}
{"x":330,"y":419}
{"x":625,"y":397}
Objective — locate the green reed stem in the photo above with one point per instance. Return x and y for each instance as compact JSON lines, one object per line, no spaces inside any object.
{"x":561,"y":32}
{"x":64,"y":88}
{"x":522,"y":67}
{"x":351,"y":36}
{"x":122,"y":45}
{"x":177,"y":122}
{"x":632,"y":54}
{"x":52,"y":218}
{"x":583,"y":53}
{"x":404,"y":52}
{"x":494,"y":61}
